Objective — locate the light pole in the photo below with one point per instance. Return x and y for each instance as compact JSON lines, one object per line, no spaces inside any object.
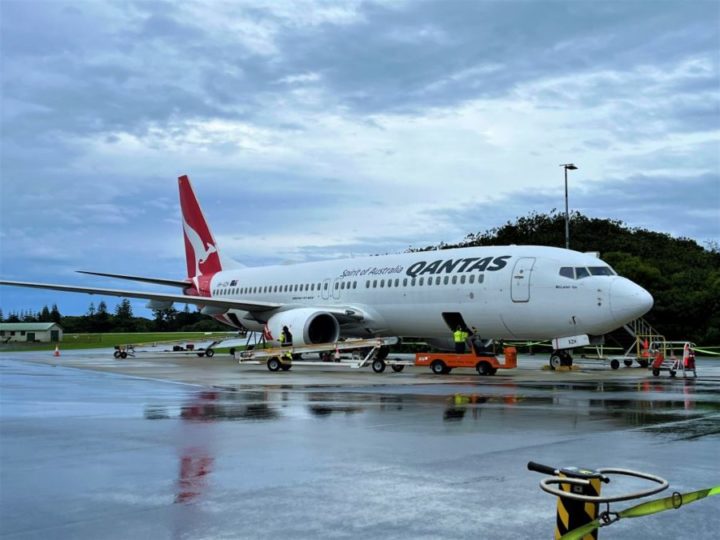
{"x":572,"y":167}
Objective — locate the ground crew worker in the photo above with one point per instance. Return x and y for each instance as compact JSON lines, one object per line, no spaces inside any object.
{"x":286,"y":341}
{"x":460,"y":336}
{"x":286,"y":337}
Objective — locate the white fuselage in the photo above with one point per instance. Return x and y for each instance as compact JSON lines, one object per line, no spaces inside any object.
{"x":506,"y":292}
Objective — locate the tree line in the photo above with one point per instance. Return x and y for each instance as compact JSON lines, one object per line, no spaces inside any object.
{"x":99,"y":319}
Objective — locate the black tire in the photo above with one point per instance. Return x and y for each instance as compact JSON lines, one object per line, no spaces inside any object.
{"x":614,"y":363}
{"x":286,"y":367}
{"x":643,"y":363}
{"x":494,"y":371}
{"x":378,"y":365}
{"x":209,"y":353}
{"x":201,"y":354}
{"x":273,"y":364}
{"x":484,"y":368}
{"x":123,"y":355}
{"x":397,"y":369}
{"x":656,"y":371}
{"x":232,"y":351}
{"x":116,"y":354}
{"x":672,"y":372}
{"x":555,"y":361}
{"x":438,"y":367}
{"x":447,"y":371}
{"x":382,"y":353}
{"x":628,"y":363}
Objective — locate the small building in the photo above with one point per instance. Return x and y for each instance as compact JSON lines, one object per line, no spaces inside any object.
{"x":26,"y":331}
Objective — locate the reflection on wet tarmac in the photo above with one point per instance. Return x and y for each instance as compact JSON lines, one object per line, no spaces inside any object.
{"x":81,"y":449}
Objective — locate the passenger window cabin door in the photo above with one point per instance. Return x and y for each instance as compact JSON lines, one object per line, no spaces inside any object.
{"x":336,"y":288}
{"x":521,"y":274}
{"x":325,"y":292}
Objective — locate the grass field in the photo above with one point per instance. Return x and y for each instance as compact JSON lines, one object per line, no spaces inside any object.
{"x":96,"y":341}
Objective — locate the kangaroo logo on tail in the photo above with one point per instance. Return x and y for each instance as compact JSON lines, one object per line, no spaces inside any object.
{"x":201,"y":253}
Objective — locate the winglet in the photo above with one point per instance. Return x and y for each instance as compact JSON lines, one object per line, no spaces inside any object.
{"x":201,"y":252}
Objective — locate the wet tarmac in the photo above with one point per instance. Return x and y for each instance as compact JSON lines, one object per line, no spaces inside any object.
{"x":91,"y":447}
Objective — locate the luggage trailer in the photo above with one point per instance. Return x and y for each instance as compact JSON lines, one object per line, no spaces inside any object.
{"x":366,"y":352}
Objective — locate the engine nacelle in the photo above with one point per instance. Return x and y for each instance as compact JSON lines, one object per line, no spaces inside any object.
{"x":307,"y":325}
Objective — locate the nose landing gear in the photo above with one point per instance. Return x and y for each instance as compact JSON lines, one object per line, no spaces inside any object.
{"x":560,"y":358}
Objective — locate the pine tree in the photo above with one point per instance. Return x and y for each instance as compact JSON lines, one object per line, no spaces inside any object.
{"x":55,"y":315}
{"x":44,"y":315}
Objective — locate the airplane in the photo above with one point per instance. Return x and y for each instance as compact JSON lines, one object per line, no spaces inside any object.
{"x":504,"y":292}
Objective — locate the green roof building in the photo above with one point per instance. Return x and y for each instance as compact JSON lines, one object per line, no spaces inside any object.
{"x":45,"y":332}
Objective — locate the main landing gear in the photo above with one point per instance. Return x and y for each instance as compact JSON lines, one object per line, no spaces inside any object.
{"x":560,"y":358}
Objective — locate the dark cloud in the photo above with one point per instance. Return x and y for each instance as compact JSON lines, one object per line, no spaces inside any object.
{"x":684,"y":206}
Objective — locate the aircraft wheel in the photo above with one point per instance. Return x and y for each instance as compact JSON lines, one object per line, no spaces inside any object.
{"x":672,"y":372}
{"x":273,"y":364}
{"x":123,"y":355}
{"x":555,"y":361}
{"x":209,"y":353}
{"x":286,"y":367}
{"x":614,"y":363}
{"x":484,"y":368}
{"x":438,"y":367}
{"x":116,"y":354}
{"x":382,"y":353}
{"x":627,"y":363}
{"x":201,"y":354}
{"x":397,"y":369}
{"x":378,"y":365}
{"x":656,"y":371}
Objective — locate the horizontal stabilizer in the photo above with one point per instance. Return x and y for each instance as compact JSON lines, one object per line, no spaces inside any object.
{"x":158,"y":281}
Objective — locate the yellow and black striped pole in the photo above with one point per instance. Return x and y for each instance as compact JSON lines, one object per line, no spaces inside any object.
{"x":572,"y":513}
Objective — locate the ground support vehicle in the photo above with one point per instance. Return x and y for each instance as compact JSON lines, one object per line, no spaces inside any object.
{"x":185,"y":349}
{"x":665,"y":359}
{"x":372,"y":352}
{"x":485,"y":363}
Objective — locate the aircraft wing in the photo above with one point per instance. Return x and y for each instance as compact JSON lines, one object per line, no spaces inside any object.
{"x":160,"y":281}
{"x":227,"y":303}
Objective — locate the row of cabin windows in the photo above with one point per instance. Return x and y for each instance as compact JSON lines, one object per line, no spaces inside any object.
{"x":301,"y":287}
{"x":369,"y":284}
{"x":431,"y":280}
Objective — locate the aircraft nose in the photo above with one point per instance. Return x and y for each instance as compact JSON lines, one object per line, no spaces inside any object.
{"x":628,"y":301}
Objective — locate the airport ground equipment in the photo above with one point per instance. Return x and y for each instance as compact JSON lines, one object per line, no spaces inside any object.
{"x":578,"y":514}
{"x":665,"y":359}
{"x":484,"y":363}
{"x":371,"y":351}
{"x":178,"y":349}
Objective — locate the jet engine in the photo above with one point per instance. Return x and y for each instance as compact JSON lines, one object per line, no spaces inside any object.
{"x":307,"y":325}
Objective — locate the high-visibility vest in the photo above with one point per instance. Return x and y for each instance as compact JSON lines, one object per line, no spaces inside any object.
{"x":459,"y":336}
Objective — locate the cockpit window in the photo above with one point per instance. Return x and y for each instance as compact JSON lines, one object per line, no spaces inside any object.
{"x":601,"y":271}
{"x":567,"y":271}
{"x":581,"y":272}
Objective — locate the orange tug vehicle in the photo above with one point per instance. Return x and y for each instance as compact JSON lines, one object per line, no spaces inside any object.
{"x":484,"y":362}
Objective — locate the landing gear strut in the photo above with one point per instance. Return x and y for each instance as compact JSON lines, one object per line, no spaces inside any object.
{"x":560,"y":358}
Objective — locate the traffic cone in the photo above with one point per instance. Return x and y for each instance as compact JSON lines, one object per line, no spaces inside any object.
{"x":57,"y":351}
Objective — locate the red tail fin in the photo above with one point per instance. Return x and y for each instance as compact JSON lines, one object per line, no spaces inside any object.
{"x":201,"y":252}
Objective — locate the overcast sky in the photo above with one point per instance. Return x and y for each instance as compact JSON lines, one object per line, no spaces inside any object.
{"x":317,"y":130}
